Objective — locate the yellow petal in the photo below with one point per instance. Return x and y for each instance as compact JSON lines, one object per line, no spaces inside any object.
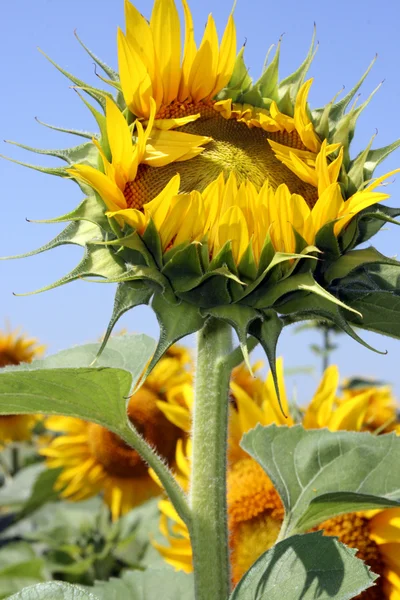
{"x":139,"y":37}
{"x":134,"y":218}
{"x":204,"y":68}
{"x":135,"y":80}
{"x":227,"y":57}
{"x":302,"y":121}
{"x":320,"y":408}
{"x":189,"y":53}
{"x":107,"y":189}
{"x":233,"y":227}
{"x":165,"y":27}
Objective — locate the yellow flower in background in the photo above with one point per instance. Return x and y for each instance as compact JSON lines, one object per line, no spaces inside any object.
{"x":95,"y":460}
{"x":16,"y":348}
{"x":255,"y":511}
{"x":207,"y":168}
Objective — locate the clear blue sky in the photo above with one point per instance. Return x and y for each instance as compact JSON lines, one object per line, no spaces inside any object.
{"x":350,"y":34}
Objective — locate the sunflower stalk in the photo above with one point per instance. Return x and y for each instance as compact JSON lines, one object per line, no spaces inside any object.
{"x":209,"y":531}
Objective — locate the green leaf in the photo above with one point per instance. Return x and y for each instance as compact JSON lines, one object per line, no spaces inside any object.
{"x":19,"y":567}
{"x":320,"y":474}
{"x":305,"y":567}
{"x":55,"y":590}
{"x":86,"y":153}
{"x":94,"y":394}
{"x":41,"y":493}
{"x":151,"y":584}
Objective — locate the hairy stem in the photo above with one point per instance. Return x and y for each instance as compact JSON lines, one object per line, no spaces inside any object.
{"x":209,"y":531}
{"x":177,"y":496}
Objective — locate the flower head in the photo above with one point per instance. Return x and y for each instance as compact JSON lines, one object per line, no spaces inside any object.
{"x":15,"y":348}
{"x":95,"y":460}
{"x":211,"y":192}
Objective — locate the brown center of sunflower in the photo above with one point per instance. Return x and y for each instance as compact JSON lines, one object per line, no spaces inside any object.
{"x":6,"y":358}
{"x":117,"y":457}
{"x":354,"y":531}
{"x":234,"y":148}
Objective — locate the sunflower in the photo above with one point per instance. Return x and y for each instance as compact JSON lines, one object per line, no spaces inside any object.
{"x":95,"y":460}
{"x":210,"y":168}
{"x":15,"y":348}
{"x":255,"y":511}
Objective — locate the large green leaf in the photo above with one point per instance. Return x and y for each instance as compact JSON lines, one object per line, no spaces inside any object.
{"x":96,"y":394}
{"x":151,"y":584}
{"x":55,"y":590}
{"x":305,"y":567}
{"x":319,"y":473}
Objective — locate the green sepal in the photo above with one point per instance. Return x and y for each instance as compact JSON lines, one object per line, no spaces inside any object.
{"x":98,"y":261}
{"x":258,"y":288}
{"x":291,"y":84}
{"x":267,"y":331}
{"x":176,"y":322}
{"x":108,"y":70}
{"x":240,"y":80}
{"x":86,"y":153}
{"x":184,"y":269}
{"x":90,"y":209}
{"x":213,"y":291}
{"x":102,"y":124}
{"x":266,"y":256}
{"x":355,"y":175}
{"x":366,"y":224}
{"x":133,"y":242}
{"x":376,"y":156}
{"x":373,"y":291}
{"x":355,"y":259}
{"x":268,"y":81}
{"x":96,"y":94}
{"x":152,"y":240}
{"x":343,"y":131}
{"x":77,"y":232}
{"x":240,"y":318}
{"x":327,"y":241}
{"x":310,"y":307}
{"x":224,"y":258}
{"x":338,"y":109}
{"x":247,"y":267}
{"x":128,"y":295}
{"x":85,"y":134}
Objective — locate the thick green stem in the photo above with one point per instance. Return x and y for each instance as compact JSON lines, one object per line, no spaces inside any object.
{"x":209,"y":530}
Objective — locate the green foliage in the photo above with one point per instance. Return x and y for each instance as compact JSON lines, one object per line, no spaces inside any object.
{"x":305,"y":567}
{"x":56,"y":590}
{"x":320,"y":474}
{"x":162,"y":583}
{"x":19,"y":567}
{"x":97,"y":394}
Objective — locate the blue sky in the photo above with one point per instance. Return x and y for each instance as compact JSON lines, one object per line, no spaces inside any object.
{"x":350,"y":34}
